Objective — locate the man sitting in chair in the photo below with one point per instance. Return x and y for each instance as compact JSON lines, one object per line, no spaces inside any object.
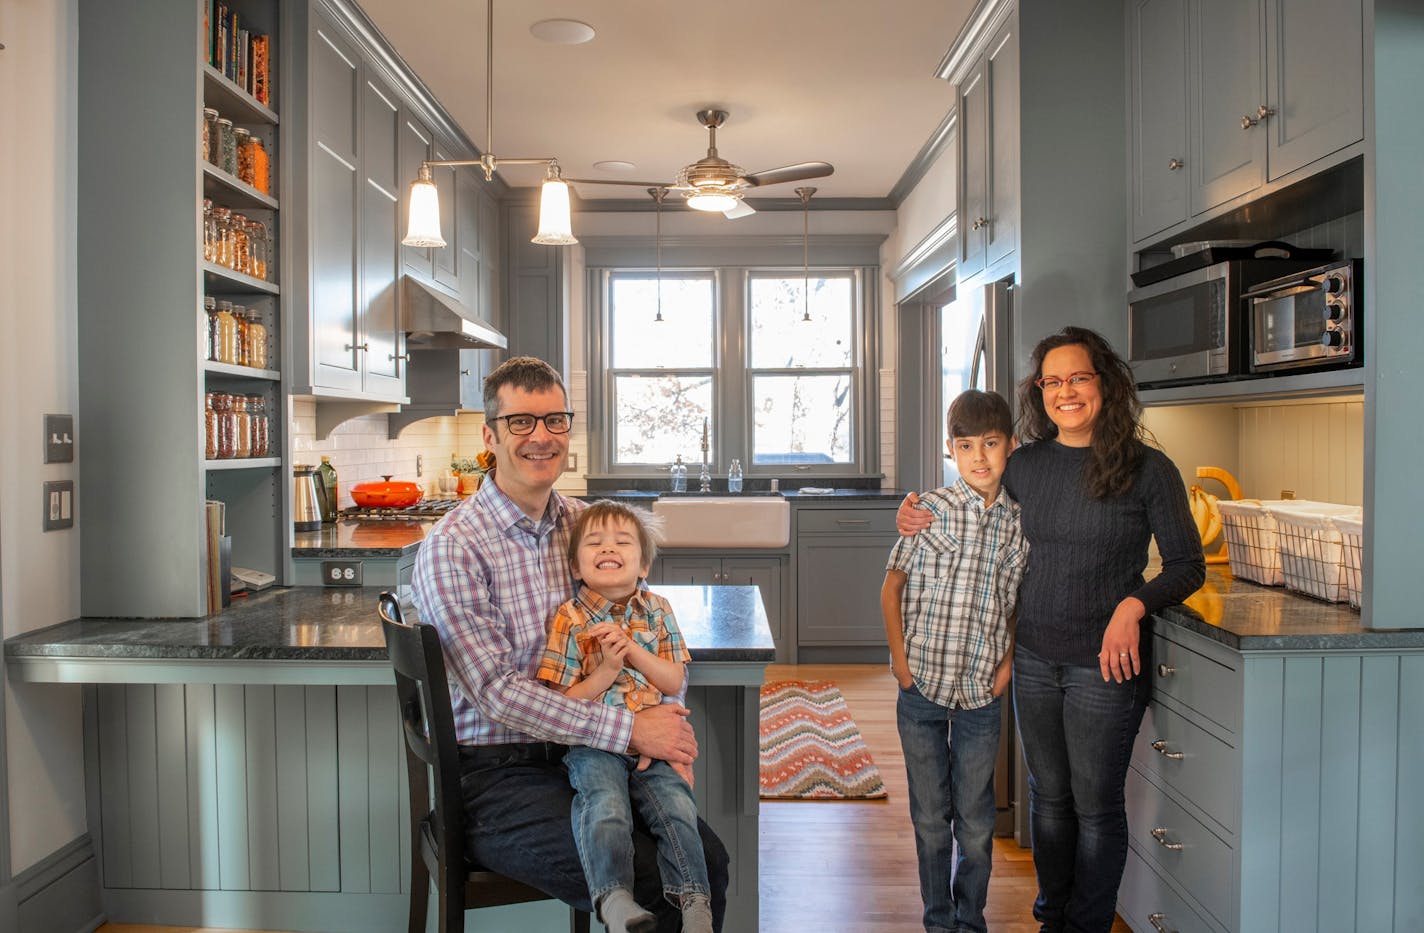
{"x":489,"y":577}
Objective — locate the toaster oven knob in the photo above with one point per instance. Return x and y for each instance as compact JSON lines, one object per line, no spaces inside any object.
{"x":1334,"y":311}
{"x":1333,"y":284}
{"x":1332,"y":339}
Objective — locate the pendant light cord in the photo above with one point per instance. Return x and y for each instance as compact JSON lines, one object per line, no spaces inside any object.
{"x":489,"y":75}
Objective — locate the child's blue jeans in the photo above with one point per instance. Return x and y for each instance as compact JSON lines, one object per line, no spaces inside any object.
{"x":607,"y":787}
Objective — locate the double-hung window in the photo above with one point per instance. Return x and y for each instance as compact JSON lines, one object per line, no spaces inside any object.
{"x":777,"y":375}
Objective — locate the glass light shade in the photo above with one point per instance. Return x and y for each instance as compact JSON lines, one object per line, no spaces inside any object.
{"x":424,"y":226}
{"x":555,"y":225}
{"x":711,"y":201}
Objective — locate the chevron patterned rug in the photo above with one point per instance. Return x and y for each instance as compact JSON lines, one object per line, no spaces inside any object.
{"x":811,"y":749}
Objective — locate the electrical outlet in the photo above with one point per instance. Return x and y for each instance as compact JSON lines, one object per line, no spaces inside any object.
{"x":341,"y":572}
{"x":59,"y":505}
{"x":419,"y":465}
{"x":573,"y":461}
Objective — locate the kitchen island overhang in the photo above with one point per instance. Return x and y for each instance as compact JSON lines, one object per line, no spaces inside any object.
{"x":245,"y":769}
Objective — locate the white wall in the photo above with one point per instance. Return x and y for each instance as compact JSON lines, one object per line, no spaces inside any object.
{"x":39,"y":572}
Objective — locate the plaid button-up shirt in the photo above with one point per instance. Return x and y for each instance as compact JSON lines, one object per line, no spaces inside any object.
{"x":490,"y":579}
{"x":962,"y":580}
{"x":572,"y":654}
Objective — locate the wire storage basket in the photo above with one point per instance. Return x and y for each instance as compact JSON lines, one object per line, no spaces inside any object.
{"x":1250,"y":533}
{"x":1312,"y":552}
{"x":1352,"y":551}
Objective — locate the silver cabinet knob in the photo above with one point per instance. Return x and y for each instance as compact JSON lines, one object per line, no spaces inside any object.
{"x":363,"y":347}
{"x":979,"y":222}
{"x":1249,"y":121}
{"x":1262,"y":112}
{"x":1160,"y":834}
{"x":1165,"y":670}
{"x":1174,"y":164}
{"x":464,"y":372}
{"x":1160,"y":747}
{"x":403,"y":357}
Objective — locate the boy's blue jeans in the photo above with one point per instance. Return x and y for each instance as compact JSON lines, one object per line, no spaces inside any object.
{"x":607,"y":788}
{"x":949,"y":760}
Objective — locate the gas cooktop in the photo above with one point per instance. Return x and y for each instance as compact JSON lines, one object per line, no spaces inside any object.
{"x":426,"y":510}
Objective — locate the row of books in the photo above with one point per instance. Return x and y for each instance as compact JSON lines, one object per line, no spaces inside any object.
{"x":243,"y":56}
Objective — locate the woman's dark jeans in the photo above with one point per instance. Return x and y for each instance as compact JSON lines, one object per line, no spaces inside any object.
{"x":1077,"y":734}
{"x":518,"y":822}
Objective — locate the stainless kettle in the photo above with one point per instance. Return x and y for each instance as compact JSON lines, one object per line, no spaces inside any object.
{"x":306,"y":498}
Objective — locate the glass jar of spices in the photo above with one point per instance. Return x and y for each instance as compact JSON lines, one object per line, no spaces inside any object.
{"x":228,"y":162}
{"x":260,"y":427}
{"x":212,"y":138}
{"x":226,"y":425}
{"x":222,"y":236}
{"x":239,"y":316}
{"x":209,"y":232}
{"x":261,"y":167}
{"x":241,"y":256}
{"x":210,"y":321}
{"x":244,"y":154}
{"x":210,"y":427}
{"x":242,"y":428}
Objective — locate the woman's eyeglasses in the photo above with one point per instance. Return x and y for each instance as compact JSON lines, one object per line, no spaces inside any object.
{"x":555,"y":422}
{"x":1053,"y":383}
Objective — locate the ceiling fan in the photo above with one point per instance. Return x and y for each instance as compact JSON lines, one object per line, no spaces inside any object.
{"x":714,"y":184}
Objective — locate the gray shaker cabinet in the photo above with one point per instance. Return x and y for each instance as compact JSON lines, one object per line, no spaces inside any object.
{"x":840,"y":568}
{"x":988,"y":149}
{"x":379,"y":323}
{"x":1314,"y":80}
{"x":449,"y":182}
{"x":1227,"y":82}
{"x":1159,"y":114}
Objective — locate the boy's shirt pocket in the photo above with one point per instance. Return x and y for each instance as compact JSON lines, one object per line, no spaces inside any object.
{"x":937,"y":553}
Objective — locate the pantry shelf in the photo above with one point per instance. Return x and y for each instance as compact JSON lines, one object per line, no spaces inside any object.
{"x":233,"y":192}
{"x":234,"y":103}
{"x":220,"y":279}
{"x":246,"y":463}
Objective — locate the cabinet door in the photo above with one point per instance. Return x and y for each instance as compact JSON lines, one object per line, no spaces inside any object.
{"x":1002,"y":186}
{"x":765,"y":574}
{"x":467,"y":223}
{"x":379,"y":321}
{"x":1159,"y":115}
{"x":838,"y":588}
{"x":1227,"y":83}
{"x":973,"y":169}
{"x":447,"y":258}
{"x":489,"y":290}
{"x":1315,"y":73}
{"x":415,"y":144}
{"x":336,"y":362}
{"x":699,"y":571}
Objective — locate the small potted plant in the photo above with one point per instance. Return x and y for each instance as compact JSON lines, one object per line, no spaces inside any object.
{"x":471,"y":471}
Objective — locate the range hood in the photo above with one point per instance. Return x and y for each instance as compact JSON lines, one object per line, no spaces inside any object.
{"x":436,"y":321}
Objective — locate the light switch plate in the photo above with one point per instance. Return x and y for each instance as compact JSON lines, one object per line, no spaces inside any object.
{"x":59,"y":505}
{"x":59,"y":439}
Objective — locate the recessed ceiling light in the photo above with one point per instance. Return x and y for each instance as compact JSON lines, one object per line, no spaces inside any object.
{"x":614,"y":165}
{"x":562,"y":31}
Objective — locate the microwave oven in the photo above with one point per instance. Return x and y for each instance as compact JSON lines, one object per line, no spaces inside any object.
{"x":1191,"y":327}
{"x":1307,"y":320}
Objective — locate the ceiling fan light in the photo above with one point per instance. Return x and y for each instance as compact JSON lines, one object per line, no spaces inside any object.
{"x":711,"y":201}
{"x":423,"y":226}
{"x":555,"y":223}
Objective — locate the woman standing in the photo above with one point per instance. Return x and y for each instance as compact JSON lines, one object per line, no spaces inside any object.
{"x":1093,"y":495}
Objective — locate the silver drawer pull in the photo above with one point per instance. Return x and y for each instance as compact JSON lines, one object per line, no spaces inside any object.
{"x":852,"y":521}
{"x":1165,"y":670}
{"x":1160,"y":747}
{"x":1159,"y":923}
{"x":1160,"y":834}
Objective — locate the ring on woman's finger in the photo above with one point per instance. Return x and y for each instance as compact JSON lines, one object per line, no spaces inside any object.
{"x":1123,"y":654}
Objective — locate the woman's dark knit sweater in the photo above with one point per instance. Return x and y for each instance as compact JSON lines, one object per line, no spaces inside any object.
{"x":1087,"y":555}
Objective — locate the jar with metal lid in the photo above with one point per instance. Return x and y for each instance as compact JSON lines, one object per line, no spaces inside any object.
{"x":226,"y":424}
{"x":210,"y":321}
{"x":261,"y":250}
{"x":228,"y":162}
{"x":222,"y":236}
{"x":239,"y":316}
{"x":261,"y":167}
{"x":210,"y":232}
{"x":212,"y":138}
{"x":244,"y":153}
{"x":256,"y":341}
{"x":210,"y":427}
{"x":259,"y":424}
{"x":226,"y":345}
{"x":241,"y":258}
{"x":242,"y":428}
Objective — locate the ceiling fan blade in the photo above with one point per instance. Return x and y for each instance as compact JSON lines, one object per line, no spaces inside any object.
{"x":797,"y":172}
{"x":743,"y":209}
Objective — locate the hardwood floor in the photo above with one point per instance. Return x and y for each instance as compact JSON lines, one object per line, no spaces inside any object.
{"x":848,"y":866}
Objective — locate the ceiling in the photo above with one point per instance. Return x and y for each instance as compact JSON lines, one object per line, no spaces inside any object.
{"x":841,"y":81}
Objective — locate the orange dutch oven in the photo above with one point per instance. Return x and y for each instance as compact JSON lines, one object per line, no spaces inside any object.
{"x":386,"y":494}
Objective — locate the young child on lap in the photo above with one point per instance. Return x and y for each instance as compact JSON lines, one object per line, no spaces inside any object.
{"x":949,"y":593}
{"x":619,"y":643}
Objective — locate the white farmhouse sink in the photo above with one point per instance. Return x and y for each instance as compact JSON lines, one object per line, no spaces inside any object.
{"x":725,"y":521}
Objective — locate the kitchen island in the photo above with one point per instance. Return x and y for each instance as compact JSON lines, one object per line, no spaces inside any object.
{"x":246,"y":769}
{"x":1273,"y":782}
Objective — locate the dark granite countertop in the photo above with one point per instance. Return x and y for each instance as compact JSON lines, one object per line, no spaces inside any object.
{"x":794,"y":496}
{"x":719,"y":623}
{"x":1272,"y":618}
{"x":357,"y":539}
{"x":801,"y":497}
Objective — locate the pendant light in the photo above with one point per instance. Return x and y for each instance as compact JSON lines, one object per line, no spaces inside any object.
{"x":423,"y":225}
{"x":658,"y":195}
{"x":805,"y":195}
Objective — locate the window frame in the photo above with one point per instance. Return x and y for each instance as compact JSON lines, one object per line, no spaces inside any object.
{"x":732,"y":373}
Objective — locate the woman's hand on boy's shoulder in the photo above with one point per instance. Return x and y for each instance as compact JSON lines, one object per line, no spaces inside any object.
{"x":910,"y":518}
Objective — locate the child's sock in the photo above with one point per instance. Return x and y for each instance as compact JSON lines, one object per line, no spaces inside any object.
{"x":621,"y":914}
{"x":696,"y":914}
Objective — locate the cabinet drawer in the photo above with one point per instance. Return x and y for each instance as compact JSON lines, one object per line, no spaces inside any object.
{"x":1204,"y":865}
{"x":857,"y":520}
{"x":1209,"y":687}
{"x":1149,"y":904}
{"x":1208,"y":771}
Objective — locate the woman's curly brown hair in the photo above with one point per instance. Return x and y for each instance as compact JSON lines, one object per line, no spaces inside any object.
{"x":1119,"y":439}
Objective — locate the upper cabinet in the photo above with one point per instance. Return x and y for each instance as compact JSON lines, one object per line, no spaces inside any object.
{"x":988,"y":155}
{"x":1229,"y":97}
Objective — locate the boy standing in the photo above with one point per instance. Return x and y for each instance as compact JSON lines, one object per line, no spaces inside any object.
{"x":949,"y":593}
{"x":619,"y":644}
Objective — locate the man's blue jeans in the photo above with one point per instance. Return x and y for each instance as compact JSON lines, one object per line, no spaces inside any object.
{"x":518,"y":802}
{"x":949,"y":760}
{"x":1077,"y":733}
{"x":608,"y":788}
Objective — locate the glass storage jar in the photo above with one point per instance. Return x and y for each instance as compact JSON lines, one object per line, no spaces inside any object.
{"x":260,"y":427}
{"x":209,"y":132}
{"x":261,"y":167}
{"x":239,"y":316}
{"x":256,"y":341}
{"x":226,"y":344}
{"x":227,"y":425}
{"x":210,"y":427}
{"x":210,"y":232}
{"x":242,"y":428}
{"x":244,"y":154}
{"x":228,"y":163}
{"x":222,"y":236}
{"x":241,"y":258}
{"x":210,"y":319}
{"x":261,"y":251}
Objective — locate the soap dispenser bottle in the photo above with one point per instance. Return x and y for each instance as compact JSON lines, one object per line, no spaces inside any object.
{"x":679,"y":475}
{"x":734,"y":476}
